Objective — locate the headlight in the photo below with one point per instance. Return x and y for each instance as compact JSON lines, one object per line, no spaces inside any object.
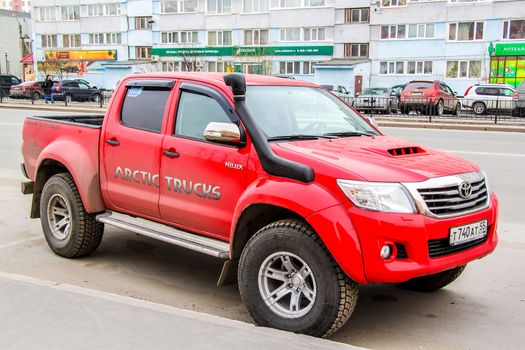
{"x":378,"y":196}
{"x":489,"y":189}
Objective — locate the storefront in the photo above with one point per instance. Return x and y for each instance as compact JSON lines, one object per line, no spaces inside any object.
{"x":268,"y":60}
{"x":507,"y":63}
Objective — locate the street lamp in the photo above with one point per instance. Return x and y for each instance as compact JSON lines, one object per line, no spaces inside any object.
{"x":6,"y":64}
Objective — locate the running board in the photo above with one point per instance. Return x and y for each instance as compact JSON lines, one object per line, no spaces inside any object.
{"x":165,"y":233}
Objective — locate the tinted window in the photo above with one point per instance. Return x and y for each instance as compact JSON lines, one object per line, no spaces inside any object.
{"x":420,"y":85}
{"x":15,"y":80}
{"x":83,"y":86}
{"x":143,"y":108}
{"x":506,"y":92}
{"x":488,"y":91}
{"x":70,"y":84}
{"x":195,"y":112}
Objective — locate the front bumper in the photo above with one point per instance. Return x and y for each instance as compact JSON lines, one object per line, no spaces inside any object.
{"x":413,"y":231}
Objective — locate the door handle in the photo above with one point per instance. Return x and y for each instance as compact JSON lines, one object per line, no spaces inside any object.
{"x":113,"y":142}
{"x":171,"y":153}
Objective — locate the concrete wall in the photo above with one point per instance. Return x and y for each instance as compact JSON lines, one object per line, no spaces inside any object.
{"x":10,"y":42}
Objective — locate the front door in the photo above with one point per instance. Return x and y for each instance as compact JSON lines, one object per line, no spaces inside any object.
{"x":132,"y":143}
{"x":201,"y":180}
{"x":358,"y":85}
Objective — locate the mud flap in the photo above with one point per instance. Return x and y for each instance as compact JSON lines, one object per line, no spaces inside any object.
{"x":228,"y":273}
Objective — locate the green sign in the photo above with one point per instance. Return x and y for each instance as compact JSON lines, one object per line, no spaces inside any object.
{"x":245,"y":51}
{"x":510,"y":49}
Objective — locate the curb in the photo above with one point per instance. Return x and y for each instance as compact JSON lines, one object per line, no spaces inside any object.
{"x":53,"y":108}
{"x":449,"y":126}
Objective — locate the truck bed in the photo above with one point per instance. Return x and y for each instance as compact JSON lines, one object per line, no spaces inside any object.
{"x":93,"y":121}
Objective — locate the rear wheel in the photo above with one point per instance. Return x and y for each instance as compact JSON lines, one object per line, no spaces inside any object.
{"x":479,"y":108}
{"x":288,"y":280}
{"x":433,"y":282}
{"x":69,"y":230}
{"x":440,"y":108}
{"x":68,"y":98}
{"x":36,"y":95}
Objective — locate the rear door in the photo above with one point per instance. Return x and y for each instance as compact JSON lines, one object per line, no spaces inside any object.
{"x":202,"y":180}
{"x":84,"y":91}
{"x":132,"y":141}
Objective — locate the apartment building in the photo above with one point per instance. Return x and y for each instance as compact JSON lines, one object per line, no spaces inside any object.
{"x":15,"y":29}
{"x":450,"y":40}
{"x":16,"y":5}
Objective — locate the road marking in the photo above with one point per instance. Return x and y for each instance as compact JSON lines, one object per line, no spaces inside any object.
{"x":487,"y":153}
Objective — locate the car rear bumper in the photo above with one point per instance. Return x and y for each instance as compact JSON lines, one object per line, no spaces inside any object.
{"x":411,"y":233}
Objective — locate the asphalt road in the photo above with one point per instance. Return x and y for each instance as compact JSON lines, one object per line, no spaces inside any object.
{"x":483,"y":309}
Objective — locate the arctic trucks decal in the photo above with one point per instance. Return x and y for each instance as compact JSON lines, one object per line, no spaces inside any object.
{"x":189,"y":187}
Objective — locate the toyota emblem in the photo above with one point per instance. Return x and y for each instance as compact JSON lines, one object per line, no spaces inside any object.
{"x":465,"y":189}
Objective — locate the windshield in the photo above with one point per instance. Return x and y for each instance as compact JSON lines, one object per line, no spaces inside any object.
{"x":374,"y":91}
{"x":298,"y":110}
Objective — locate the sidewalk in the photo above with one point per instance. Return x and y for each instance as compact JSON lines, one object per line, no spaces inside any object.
{"x":36,"y":314}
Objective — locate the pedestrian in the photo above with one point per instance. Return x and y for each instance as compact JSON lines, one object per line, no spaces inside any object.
{"x":48,"y":84}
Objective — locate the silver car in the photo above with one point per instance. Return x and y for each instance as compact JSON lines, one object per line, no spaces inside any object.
{"x":484,"y":98}
{"x":518,"y":101}
{"x":382,"y":100}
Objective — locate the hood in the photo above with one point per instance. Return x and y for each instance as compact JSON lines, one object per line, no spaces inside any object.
{"x":382,"y":158}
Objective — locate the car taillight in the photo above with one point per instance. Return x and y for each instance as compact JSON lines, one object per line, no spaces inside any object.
{"x":58,"y":87}
{"x":516,"y":96}
{"x":466,"y":92}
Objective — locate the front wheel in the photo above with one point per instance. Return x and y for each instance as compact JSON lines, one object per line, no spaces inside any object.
{"x":288,"y":280}
{"x":69,"y":230}
{"x":433,"y":282}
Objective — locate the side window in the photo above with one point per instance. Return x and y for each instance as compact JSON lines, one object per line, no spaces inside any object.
{"x":448,"y":90}
{"x":15,"y":81}
{"x":71,"y":84}
{"x":143,"y":108}
{"x":195,"y":112}
{"x":506,"y":92}
{"x":83,"y":86}
{"x":480,"y":91}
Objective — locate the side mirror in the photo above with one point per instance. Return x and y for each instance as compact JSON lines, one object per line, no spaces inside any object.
{"x":455,"y":93}
{"x":222,"y":132}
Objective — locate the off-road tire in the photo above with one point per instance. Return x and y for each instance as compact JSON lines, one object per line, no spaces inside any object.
{"x":433,"y":282}
{"x":85,"y":234}
{"x":336,"y":295}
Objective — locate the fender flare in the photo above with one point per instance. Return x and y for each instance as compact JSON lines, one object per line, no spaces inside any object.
{"x":82,"y":166}
{"x":324,"y":212}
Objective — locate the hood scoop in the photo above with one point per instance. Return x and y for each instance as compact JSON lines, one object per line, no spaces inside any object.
{"x":404,"y":151}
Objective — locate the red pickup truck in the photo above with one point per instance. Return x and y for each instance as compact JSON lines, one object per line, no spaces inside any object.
{"x":294,"y":189}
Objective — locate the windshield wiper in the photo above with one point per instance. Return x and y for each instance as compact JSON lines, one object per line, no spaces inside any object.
{"x":300,"y":137}
{"x":349,"y":133}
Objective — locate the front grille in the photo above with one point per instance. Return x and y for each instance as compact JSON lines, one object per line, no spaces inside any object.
{"x":441,"y":247}
{"x":445,"y":201}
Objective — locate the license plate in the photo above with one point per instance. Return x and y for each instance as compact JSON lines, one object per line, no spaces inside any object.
{"x":467,"y":233}
{"x":416,"y":93}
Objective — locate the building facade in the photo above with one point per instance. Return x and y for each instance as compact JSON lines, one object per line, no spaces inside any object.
{"x":16,"y":5}
{"x":15,"y":41}
{"x":340,"y":42}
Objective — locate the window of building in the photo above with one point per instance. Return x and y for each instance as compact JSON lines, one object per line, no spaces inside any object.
{"x":220,"y":38}
{"x":218,"y":6}
{"x":290,"y":34}
{"x":212,"y":66}
{"x":70,"y":40}
{"x":420,"y":31}
{"x":463,"y":69}
{"x":356,"y":50}
{"x":308,"y":68}
{"x":359,"y":15}
{"x":405,"y":68}
{"x":46,"y":14}
{"x":49,"y":41}
{"x":290,"y":67}
{"x":314,"y":34}
{"x":105,"y":38}
{"x":256,"y":37}
{"x":419,"y":67}
{"x":69,"y":13}
{"x":189,"y":66}
{"x":143,"y":52}
{"x":464,"y":1}
{"x":96,"y":10}
{"x":300,"y":3}
{"x":195,"y":112}
{"x":314,"y":3}
{"x":143,"y":108}
{"x":182,"y":37}
{"x":514,"y":29}
{"x":143,"y":23}
{"x":180,"y":6}
{"x":396,"y":31}
{"x":393,"y":3}
{"x":465,"y":31}
{"x":255,"y":6}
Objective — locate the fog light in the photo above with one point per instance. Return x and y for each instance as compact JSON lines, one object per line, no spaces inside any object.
{"x":386,"y":251}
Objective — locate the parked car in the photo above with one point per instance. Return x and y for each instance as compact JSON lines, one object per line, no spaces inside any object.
{"x":303,"y":205}
{"x":6,"y":81}
{"x":75,"y":90}
{"x":481,"y":98}
{"x":338,"y":90}
{"x":434,"y":97}
{"x":382,"y":100}
{"x":29,"y":89}
{"x":518,"y":101}
{"x":397,"y":89}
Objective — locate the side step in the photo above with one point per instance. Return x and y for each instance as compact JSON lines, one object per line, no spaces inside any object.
{"x":201,"y":244}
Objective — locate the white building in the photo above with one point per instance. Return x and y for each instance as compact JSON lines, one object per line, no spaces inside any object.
{"x":15,"y":29}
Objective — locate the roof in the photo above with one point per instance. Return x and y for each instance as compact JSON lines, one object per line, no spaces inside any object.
{"x":27,"y":59}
